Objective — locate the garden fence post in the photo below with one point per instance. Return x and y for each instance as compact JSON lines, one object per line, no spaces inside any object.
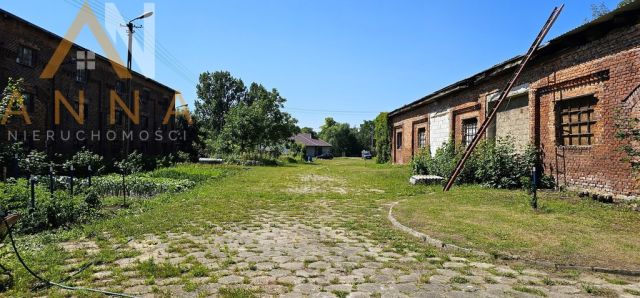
{"x":71,"y":180}
{"x":16,"y":166}
{"x":32,"y":182}
{"x":51,"y":180}
{"x":89,"y":168}
{"x":124,"y":189}
{"x":534,"y":188}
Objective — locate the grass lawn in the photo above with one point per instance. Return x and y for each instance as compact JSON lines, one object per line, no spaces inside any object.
{"x":566,"y":229}
{"x":223,"y":196}
{"x":356,"y":192}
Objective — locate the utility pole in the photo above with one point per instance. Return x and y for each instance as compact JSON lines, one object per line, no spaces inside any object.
{"x":130,"y":30}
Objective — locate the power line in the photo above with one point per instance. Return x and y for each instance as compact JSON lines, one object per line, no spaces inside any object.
{"x":163,"y":55}
{"x":331,"y":111}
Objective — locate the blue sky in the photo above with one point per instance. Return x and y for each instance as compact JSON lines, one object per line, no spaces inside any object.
{"x":343,"y":59}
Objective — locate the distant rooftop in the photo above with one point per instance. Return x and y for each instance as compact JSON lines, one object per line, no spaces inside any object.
{"x":307,"y":140}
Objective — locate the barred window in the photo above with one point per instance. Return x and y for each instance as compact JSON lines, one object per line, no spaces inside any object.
{"x":422,"y":141}
{"x":576,"y":121}
{"x":399,"y":140}
{"x":469,"y":127}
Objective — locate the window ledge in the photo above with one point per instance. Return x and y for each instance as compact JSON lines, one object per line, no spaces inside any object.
{"x":575,"y":147}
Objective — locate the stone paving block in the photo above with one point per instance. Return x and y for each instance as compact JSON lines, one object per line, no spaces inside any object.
{"x":231,"y":279}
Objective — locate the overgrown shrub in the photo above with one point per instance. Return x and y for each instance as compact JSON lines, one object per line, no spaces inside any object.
{"x":421,"y":163}
{"x":92,"y":199}
{"x":494,"y":164}
{"x":133,"y":163}
{"x":382,"y":138}
{"x":35,"y":163}
{"x":195,"y":173}
{"x":182,"y":156}
{"x":50,"y":212}
{"x":139,"y":185}
{"x":81,"y":162}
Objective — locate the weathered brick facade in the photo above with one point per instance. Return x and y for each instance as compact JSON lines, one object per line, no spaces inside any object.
{"x":598,"y":62}
{"x":16,"y":34}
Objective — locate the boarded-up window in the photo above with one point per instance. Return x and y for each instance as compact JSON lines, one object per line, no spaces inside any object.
{"x":422,"y":137}
{"x":576,"y":121}
{"x":469,"y":127}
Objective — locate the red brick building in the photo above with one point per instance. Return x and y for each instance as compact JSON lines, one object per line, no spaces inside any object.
{"x":25,"y":50}
{"x":566,"y":104}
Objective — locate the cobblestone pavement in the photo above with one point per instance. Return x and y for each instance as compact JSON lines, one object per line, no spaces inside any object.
{"x":297,"y":255}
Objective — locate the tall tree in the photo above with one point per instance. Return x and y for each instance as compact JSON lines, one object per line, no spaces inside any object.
{"x":192,"y":143}
{"x":341,"y":137}
{"x":365,"y":135}
{"x":217,"y":92}
{"x":256,"y":124}
{"x":598,"y":10}
{"x":625,"y":2}
{"x":382,"y":139}
{"x":310,"y":131}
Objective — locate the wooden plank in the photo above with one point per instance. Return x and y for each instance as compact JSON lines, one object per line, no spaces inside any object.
{"x":11,"y":220}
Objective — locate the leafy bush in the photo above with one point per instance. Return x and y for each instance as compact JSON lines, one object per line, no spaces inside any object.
{"x":133,"y":163}
{"x":182,"y":156}
{"x":92,"y":200}
{"x":422,"y":163}
{"x":166,"y":161}
{"x":50,"y":212}
{"x":35,"y":163}
{"x":382,"y":138}
{"x":494,"y":164}
{"x":195,"y":173}
{"x":81,"y":162}
{"x":139,"y":185}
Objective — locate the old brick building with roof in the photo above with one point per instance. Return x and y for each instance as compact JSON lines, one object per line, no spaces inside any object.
{"x":25,"y":50}
{"x":566,"y":104}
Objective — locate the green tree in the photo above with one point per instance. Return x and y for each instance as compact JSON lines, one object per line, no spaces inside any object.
{"x":598,"y":10}
{"x":240,"y":132}
{"x":341,"y":137}
{"x":256,"y":125}
{"x":193,"y":141}
{"x":310,"y":131}
{"x":218,"y":93}
{"x":365,"y":135}
{"x":625,"y":2}
{"x":381,"y":138}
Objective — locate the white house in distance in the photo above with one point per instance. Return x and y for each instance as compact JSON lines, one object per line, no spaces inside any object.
{"x":313,"y":147}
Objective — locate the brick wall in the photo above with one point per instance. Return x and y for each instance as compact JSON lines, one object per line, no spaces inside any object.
{"x":14,"y":33}
{"x":553,"y":76}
